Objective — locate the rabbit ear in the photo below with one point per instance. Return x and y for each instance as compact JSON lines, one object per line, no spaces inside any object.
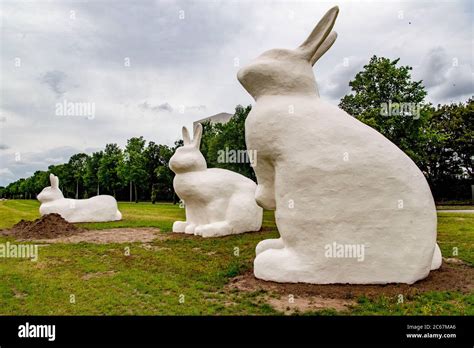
{"x":310,"y":47}
{"x":324,"y":47}
{"x":186,"y":137}
{"x":197,"y":135}
{"x":53,"y":180}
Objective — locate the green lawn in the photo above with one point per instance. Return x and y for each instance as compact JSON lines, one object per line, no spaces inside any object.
{"x":178,"y":276}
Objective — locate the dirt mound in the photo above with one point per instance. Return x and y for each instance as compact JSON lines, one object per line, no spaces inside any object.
{"x":450,"y":277}
{"x":47,"y":226}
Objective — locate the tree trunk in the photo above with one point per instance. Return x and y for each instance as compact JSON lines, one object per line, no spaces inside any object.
{"x":130,"y":191}
{"x":98,"y":189}
{"x":136,"y":194}
{"x":77,"y":189}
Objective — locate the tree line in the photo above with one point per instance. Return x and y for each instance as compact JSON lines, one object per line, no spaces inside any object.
{"x":439,"y":139}
{"x":130,"y":173}
{"x":138,"y":172}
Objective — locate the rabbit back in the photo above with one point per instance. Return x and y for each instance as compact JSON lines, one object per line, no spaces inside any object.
{"x":95,"y":209}
{"x":211,"y":184}
{"x":354,"y":179}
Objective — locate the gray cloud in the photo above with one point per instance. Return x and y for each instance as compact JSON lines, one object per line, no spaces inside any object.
{"x":157,"y":108}
{"x":55,"y":81}
{"x":459,"y":82}
{"x":445,"y":76}
{"x":434,"y":67}
{"x":336,"y":85}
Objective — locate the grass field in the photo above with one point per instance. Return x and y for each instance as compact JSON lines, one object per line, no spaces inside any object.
{"x":180,"y":276}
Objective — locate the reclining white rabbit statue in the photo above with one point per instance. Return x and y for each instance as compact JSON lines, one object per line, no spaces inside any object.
{"x":339,"y":188}
{"x":94,"y":209}
{"x":218,"y":202}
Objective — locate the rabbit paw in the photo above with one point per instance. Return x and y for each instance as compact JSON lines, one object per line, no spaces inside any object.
{"x":190,"y":229}
{"x":280,"y":265}
{"x":215,"y":229}
{"x":179,"y":226}
{"x":269,"y":244}
{"x":265,"y":197}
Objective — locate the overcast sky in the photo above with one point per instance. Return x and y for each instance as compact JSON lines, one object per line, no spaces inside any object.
{"x":150,"y":67}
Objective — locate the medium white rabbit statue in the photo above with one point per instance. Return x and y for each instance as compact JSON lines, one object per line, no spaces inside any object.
{"x":350,"y":206}
{"x":94,"y":209}
{"x":218,"y":202}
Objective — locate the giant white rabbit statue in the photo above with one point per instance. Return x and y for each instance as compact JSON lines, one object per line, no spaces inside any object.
{"x":94,"y":209}
{"x":350,"y":206}
{"x":218,"y":202}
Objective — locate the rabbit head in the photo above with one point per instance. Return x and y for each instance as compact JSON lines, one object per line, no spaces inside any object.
{"x":188,"y":158}
{"x":285,"y":71}
{"x":51,"y":193}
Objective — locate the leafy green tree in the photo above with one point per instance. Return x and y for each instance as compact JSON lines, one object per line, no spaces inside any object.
{"x":21,"y":188}
{"x":152,"y":161}
{"x":77,"y":163}
{"x":160,"y":177}
{"x":29,"y":188}
{"x":164,"y":176}
{"x":91,"y":173}
{"x":439,"y":140}
{"x":448,"y":159}
{"x":456,"y":123}
{"x":385,"y":98}
{"x":133,"y":168}
{"x":154,"y":193}
{"x":223,"y":145}
{"x":13,"y":189}
{"x":40,"y":180}
{"x":108,"y":168}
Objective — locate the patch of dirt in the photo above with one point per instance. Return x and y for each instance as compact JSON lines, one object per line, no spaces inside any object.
{"x":112,"y":235}
{"x":290,"y":305}
{"x":47,"y":226}
{"x":52,"y":228}
{"x":452,"y":276}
